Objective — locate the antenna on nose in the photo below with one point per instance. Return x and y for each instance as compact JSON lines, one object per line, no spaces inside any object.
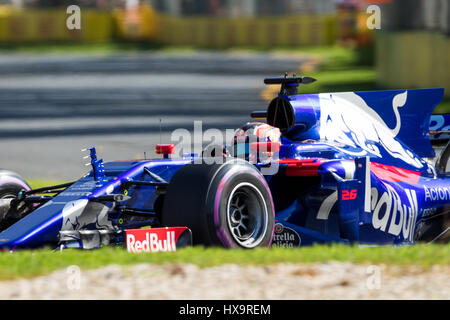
{"x":160,"y":131}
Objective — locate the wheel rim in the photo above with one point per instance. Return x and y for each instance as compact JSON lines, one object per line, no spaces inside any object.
{"x":247,"y":215}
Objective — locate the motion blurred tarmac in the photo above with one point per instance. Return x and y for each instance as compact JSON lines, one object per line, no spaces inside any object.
{"x":52,"y":106}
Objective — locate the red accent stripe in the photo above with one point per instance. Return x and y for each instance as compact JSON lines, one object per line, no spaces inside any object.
{"x":396,"y":174}
{"x":301,"y":167}
{"x":310,"y":167}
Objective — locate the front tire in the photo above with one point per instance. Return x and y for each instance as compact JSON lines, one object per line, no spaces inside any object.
{"x":10,"y":185}
{"x":226,"y":204}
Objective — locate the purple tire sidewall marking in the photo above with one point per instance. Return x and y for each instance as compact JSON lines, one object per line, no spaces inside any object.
{"x":220,"y":231}
{"x":9,"y":180}
{"x":263,"y":181}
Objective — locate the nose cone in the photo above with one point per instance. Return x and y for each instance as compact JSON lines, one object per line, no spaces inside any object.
{"x":41,"y":227}
{"x":38,"y":228}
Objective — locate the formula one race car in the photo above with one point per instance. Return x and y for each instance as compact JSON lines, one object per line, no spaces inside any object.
{"x":349,"y":167}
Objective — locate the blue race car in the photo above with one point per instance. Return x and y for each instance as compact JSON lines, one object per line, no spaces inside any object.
{"x":348,"y":167}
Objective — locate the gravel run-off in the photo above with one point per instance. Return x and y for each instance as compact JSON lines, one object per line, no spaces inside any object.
{"x":334,"y":280}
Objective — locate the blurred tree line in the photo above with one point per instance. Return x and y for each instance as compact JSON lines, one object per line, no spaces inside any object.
{"x":197,"y":7}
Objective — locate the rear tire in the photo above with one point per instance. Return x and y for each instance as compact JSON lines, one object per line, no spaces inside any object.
{"x":227,"y":205}
{"x":442,"y":162}
{"x":436,"y":229}
{"x":444,"y":219}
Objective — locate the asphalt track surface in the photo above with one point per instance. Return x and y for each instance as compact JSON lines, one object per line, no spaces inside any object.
{"x":52,"y":106}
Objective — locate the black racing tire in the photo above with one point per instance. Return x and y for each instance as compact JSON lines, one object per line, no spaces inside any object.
{"x":443,"y":159}
{"x":228,"y":205}
{"x":10,"y":185}
{"x":444,"y":217}
{"x":436,"y":228}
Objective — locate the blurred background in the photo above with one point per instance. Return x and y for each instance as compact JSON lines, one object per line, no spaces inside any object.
{"x":138,"y":69}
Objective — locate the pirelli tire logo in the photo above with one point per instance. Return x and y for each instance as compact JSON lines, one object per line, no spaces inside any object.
{"x":285,"y":237}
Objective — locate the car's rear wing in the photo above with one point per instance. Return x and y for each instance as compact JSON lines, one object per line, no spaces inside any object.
{"x":439,"y":129}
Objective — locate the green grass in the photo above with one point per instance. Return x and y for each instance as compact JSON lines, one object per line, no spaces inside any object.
{"x":341,"y":69}
{"x":25,"y":264}
{"x":443,"y":107}
{"x":38,"y":183}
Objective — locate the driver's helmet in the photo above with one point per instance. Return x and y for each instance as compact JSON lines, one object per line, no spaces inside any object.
{"x":253,"y":132}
